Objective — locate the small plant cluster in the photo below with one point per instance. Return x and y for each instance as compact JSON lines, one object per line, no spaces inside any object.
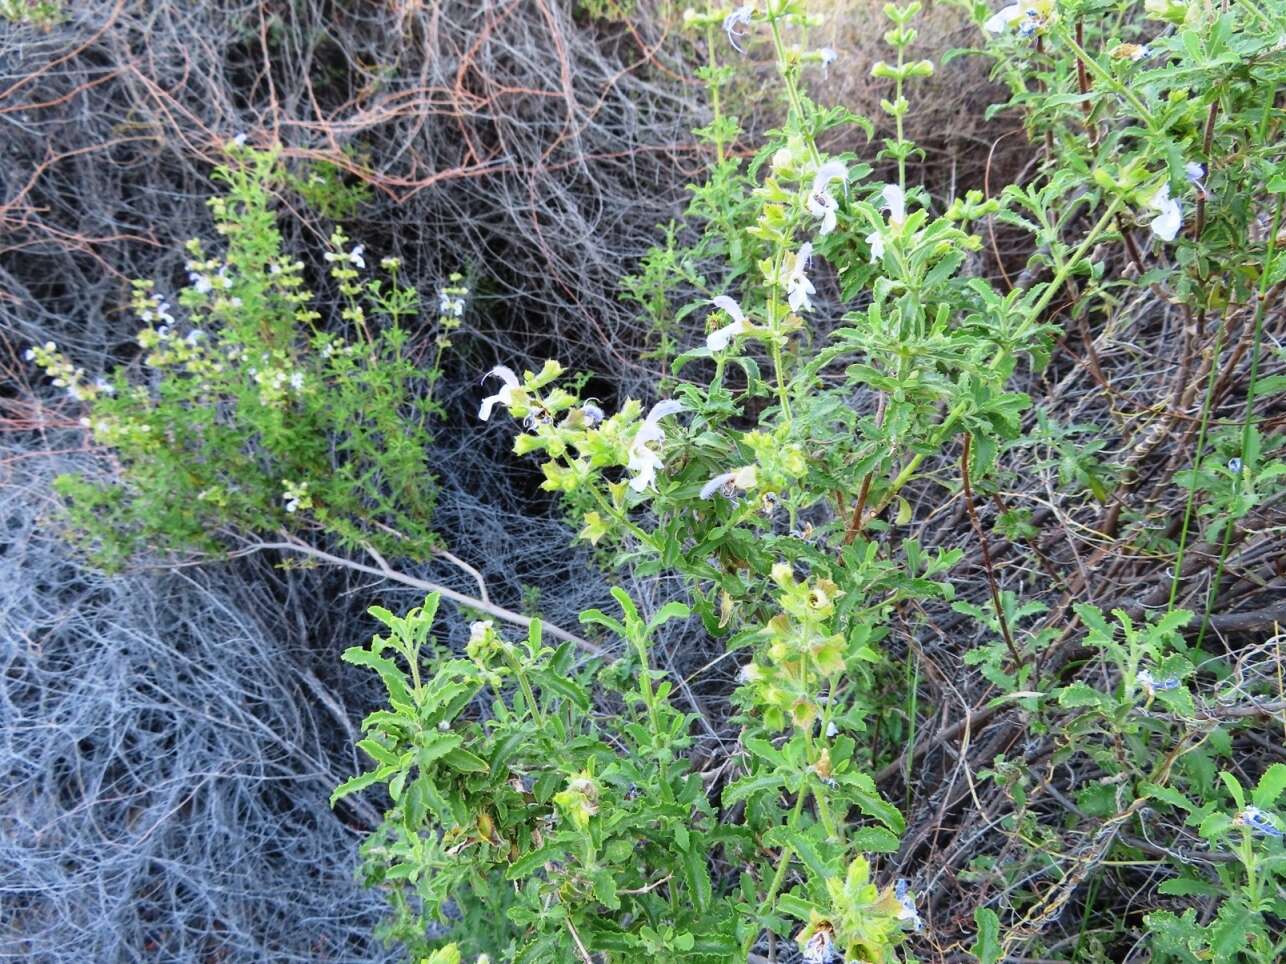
{"x":780,"y":503}
{"x":45,"y":14}
{"x":243,"y":414}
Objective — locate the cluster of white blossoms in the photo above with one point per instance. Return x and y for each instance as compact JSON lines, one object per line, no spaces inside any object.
{"x":643,"y":455}
{"x":451,"y":302}
{"x":822,"y":204}
{"x":203,"y":282}
{"x":65,"y":375}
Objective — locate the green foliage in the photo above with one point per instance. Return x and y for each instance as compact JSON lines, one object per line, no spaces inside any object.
{"x":44,"y":14}
{"x":245,"y":414}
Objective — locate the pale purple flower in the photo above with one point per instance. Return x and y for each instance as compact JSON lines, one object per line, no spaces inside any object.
{"x":1196,"y":174}
{"x":1259,"y":822}
{"x":907,"y":913}
{"x":592,"y":413}
{"x":820,"y":948}
{"x":1154,"y":686}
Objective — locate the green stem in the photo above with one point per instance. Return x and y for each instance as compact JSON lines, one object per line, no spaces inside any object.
{"x":783,"y":865}
{"x":1106,"y":78}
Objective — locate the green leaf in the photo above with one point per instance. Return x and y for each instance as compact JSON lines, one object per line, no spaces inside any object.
{"x":361,"y":782}
{"x":605,"y":890}
{"x":803,"y":847}
{"x":378,"y":752}
{"x":747,"y":787}
{"x":697,"y":874}
{"x":1168,"y":795}
{"x":1270,"y":786}
{"x":464,"y":761}
{"x":1079,"y":695}
{"x":796,"y":907}
{"x":529,"y":862}
{"x":394,"y":679}
{"x":1234,"y":788}
{"x":765,"y":751}
{"x":1231,"y":928}
{"x":1187,"y":887}
{"x":876,"y":840}
{"x":671,"y":610}
{"x":987,"y":947}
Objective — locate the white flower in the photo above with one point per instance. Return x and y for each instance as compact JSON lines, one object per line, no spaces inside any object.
{"x":798,"y":287}
{"x":200,"y":283}
{"x":821,"y":203}
{"x":194,"y":336}
{"x":895,"y":204}
{"x":746,"y":477}
{"x":1005,"y":17}
{"x":644,"y":460}
{"x":297,"y":381}
{"x":478,"y":630}
{"x":29,"y":354}
{"x":719,"y":340}
{"x":722,"y":482}
{"x":505,"y":395}
{"x":832,"y":729}
{"x":240,"y":140}
{"x":750,"y":673}
{"x":876,"y":240}
{"x":829,"y":56}
{"x":1234,"y":466}
{"x":1169,"y":216}
{"x":449,"y":304}
{"x":104,"y":386}
{"x":1029,"y":15}
{"x":734,"y":22}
